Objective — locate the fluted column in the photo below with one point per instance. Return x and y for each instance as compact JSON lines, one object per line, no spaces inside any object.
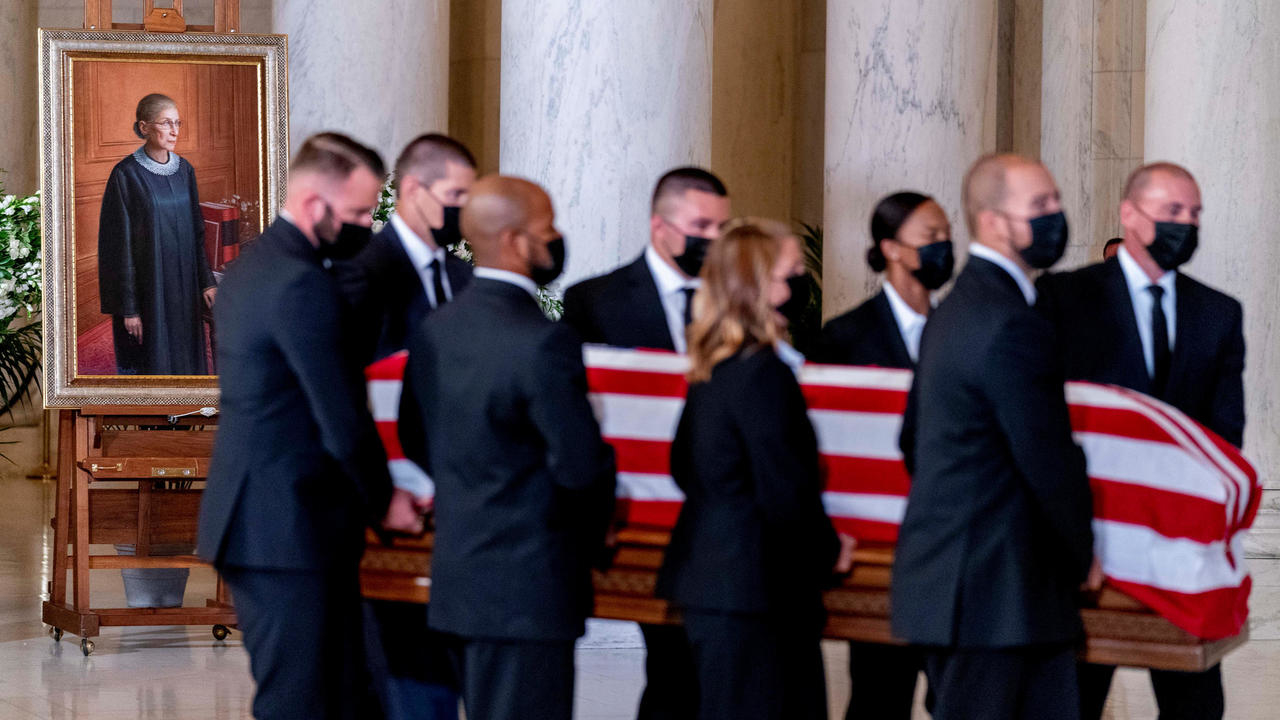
{"x":911,"y":91}
{"x":598,"y":99}
{"x":1212,"y":105}
{"x":18,"y":103}
{"x":376,"y":70}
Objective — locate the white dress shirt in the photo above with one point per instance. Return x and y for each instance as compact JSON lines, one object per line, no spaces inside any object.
{"x":507,"y":276}
{"x":1028,"y":288}
{"x":422,"y":255}
{"x":1138,"y":281}
{"x":671,"y":286}
{"x":910,"y":322}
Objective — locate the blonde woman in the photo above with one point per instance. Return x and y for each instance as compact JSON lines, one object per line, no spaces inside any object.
{"x":753,"y":548}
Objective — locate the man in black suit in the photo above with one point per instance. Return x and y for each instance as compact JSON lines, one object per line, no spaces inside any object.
{"x":298,"y":471}
{"x":495,"y":409}
{"x":406,"y":272}
{"x":1137,"y":322}
{"x":647,"y":303}
{"x":996,"y":540}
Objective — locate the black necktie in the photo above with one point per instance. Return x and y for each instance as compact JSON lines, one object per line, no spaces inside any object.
{"x":437,"y":280}
{"x":1159,"y":341}
{"x":688,"y":304}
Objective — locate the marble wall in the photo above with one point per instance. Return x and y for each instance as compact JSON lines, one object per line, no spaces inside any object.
{"x":378,"y":71}
{"x":597,"y":101}
{"x":1213,"y":105}
{"x":19,"y":151}
{"x":910,"y":104}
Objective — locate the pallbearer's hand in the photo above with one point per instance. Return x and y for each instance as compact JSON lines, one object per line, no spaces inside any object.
{"x":402,"y":514}
{"x":844,"y":562}
{"x":209,"y":295}
{"x":1096,"y":576}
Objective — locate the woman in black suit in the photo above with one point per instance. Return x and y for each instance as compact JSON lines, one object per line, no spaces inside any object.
{"x":912,"y":247}
{"x":753,"y":548}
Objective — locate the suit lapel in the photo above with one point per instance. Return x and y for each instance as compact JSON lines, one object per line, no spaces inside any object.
{"x":1188,"y":317}
{"x":459,"y":273}
{"x":1124,"y":327}
{"x":646,"y":305}
{"x":889,"y":322}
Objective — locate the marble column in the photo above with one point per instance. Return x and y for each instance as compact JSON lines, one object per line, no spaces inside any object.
{"x":598,"y":99}
{"x":19,"y":151}
{"x":911,"y":92}
{"x":378,"y":71}
{"x":1213,"y":67}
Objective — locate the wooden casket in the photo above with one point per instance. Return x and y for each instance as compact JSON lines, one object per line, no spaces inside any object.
{"x":1120,"y":630}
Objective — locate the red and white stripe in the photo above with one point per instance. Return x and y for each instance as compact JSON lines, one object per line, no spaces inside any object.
{"x":1171,"y":499}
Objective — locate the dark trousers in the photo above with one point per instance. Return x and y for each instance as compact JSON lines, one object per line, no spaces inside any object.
{"x":306,"y":647}
{"x":1034,"y":682}
{"x":882,"y":681}
{"x":515,"y":680}
{"x":753,"y":667}
{"x":671,"y":686}
{"x":409,"y":663}
{"x":1179,"y":695}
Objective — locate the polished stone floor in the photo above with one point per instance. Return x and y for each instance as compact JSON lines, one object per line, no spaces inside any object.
{"x":182,"y":673}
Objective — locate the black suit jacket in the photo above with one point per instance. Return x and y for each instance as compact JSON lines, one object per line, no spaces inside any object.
{"x":866,"y":335}
{"x":1097,"y":329}
{"x":386,"y":293}
{"x":298,"y":469}
{"x":622,"y":308}
{"x":495,"y":408}
{"x":997,"y":535}
{"x":752,"y":536}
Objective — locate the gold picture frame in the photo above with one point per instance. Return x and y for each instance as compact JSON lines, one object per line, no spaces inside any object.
{"x":71,"y":267}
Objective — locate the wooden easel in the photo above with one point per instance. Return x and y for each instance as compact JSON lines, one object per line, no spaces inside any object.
{"x":138,"y":445}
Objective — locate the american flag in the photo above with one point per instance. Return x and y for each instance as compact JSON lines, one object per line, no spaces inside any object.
{"x":1171,"y":499}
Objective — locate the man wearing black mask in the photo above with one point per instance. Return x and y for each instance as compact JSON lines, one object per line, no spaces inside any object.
{"x":647,"y":303}
{"x":495,"y":409}
{"x":298,"y":470}
{"x":1136,"y":321}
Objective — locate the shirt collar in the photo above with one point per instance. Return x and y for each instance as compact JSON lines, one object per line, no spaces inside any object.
{"x":420,"y":254}
{"x":789,"y":355}
{"x":1027,"y":287}
{"x":509,"y":277}
{"x":667,"y":278}
{"x":1137,"y":278}
{"x":902,"y":312}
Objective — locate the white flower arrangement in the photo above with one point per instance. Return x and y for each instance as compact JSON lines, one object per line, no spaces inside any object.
{"x":19,"y":257}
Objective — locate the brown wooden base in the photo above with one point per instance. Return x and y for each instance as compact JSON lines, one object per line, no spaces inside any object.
{"x":1119,"y":630}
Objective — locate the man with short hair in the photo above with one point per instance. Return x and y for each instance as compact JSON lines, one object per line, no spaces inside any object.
{"x":996,"y":540}
{"x":408,"y":271}
{"x":647,"y":303}
{"x":495,"y":409}
{"x":298,"y":471}
{"x":1138,"y":322}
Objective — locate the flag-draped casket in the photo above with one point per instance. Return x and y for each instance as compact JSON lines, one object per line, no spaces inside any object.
{"x":1171,"y":501}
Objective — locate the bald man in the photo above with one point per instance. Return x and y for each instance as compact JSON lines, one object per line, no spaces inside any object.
{"x":1139,"y":322}
{"x":495,"y":409}
{"x":996,"y":540}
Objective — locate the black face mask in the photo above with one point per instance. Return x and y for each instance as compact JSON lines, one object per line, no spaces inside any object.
{"x":937,"y":262}
{"x":347,"y":243}
{"x":1174,"y":244}
{"x":450,"y":233}
{"x":543,"y":276}
{"x":695,"y":251}
{"x":795,"y":307}
{"x":1048,"y":240}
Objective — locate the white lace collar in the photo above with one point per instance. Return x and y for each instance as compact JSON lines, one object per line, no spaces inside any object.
{"x":167,"y":168}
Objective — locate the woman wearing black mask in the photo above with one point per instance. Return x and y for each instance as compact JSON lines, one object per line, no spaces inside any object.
{"x":753,"y":548}
{"x":912,"y":247}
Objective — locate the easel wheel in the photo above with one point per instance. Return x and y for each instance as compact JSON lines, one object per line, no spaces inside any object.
{"x":86,"y":646}
{"x":221,"y":632}
{"x":55,"y":633}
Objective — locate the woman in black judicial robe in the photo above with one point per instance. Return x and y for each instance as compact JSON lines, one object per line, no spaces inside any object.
{"x":911,"y":245}
{"x":153,"y":276}
{"x":753,"y":548}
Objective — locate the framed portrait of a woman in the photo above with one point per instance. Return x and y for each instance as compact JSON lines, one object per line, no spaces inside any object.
{"x":162,"y":155}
